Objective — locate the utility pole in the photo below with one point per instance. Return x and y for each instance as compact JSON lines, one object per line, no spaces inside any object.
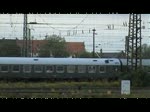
{"x":133,"y":41}
{"x":94,"y":42}
{"x":25,"y":40}
{"x":101,"y":52}
{"x":32,"y":46}
{"x":29,"y":43}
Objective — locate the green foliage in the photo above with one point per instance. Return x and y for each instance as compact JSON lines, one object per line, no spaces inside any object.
{"x":9,"y":48}
{"x":55,"y":46}
{"x":145,"y":51}
{"x":85,"y":55}
{"x":63,"y":84}
{"x":138,"y":78}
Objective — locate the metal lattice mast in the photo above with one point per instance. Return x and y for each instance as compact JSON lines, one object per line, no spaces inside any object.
{"x":25,"y":40}
{"x":133,"y":42}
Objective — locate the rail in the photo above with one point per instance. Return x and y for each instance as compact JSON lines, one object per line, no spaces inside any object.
{"x":72,"y":91}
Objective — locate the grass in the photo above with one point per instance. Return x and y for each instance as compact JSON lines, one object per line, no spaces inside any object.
{"x":58,"y":84}
{"x":84,"y":92}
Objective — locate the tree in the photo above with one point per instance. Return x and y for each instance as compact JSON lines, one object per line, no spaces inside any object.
{"x":55,"y":46}
{"x":9,"y":48}
{"x":138,"y":78}
{"x":85,"y":55}
{"x":145,"y":51}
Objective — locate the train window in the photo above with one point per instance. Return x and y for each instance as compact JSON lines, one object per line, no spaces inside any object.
{"x":91,"y":69}
{"x":94,"y":60}
{"x":35,"y":59}
{"x":81,"y":69}
{"x":26,"y":68}
{"x":15,"y":68}
{"x":102,"y":69}
{"x":70,"y":68}
{"x":49,"y":69}
{"x":4,"y":68}
{"x":106,"y":61}
{"x":38,"y":68}
{"x":60,"y":69}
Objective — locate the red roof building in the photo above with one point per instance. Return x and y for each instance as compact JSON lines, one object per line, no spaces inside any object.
{"x":75,"y":47}
{"x":72,"y":47}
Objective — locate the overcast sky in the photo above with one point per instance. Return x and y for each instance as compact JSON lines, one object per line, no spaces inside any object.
{"x":76,"y":28}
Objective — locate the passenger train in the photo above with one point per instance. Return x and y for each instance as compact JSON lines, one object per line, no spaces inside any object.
{"x":62,"y":68}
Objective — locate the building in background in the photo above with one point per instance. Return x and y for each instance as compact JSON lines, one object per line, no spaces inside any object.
{"x":73,"y":48}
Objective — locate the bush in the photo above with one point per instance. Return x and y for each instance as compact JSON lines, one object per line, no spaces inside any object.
{"x":138,"y":78}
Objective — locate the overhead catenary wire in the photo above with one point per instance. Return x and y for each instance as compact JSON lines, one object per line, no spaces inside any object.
{"x":82,"y":25}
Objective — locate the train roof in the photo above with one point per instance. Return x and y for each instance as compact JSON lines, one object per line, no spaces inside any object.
{"x":145,"y":62}
{"x":59,"y":61}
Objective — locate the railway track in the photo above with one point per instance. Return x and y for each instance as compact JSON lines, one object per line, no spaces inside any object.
{"x":65,"y":89}
{"x":70,"y":92}
{"x":54,"y":90}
